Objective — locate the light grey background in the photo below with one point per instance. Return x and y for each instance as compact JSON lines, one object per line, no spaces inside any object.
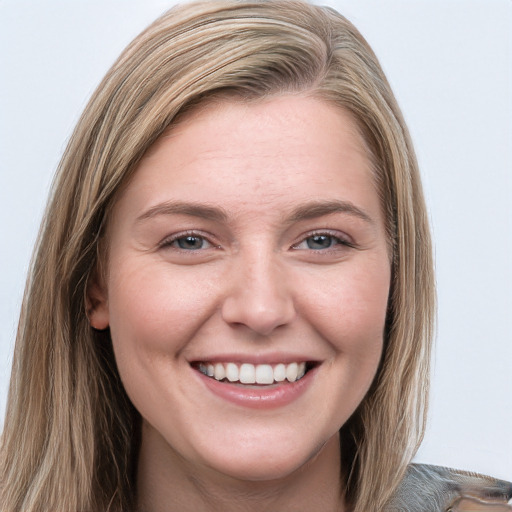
{"x":450,"y":63}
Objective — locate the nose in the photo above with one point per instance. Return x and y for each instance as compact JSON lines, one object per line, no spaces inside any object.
{"x":259,"y":296}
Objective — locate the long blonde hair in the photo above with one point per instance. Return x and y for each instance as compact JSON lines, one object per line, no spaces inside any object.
{"x":71,"y":435}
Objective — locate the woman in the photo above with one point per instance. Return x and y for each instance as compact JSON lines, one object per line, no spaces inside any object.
{"x":232,"y":297}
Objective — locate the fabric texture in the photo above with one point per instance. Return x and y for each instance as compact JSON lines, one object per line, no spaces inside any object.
{"x":428,"y":488}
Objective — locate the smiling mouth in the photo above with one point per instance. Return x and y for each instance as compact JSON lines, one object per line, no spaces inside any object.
{"x":260,"y":374}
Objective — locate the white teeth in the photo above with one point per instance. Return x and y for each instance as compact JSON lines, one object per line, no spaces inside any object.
{"x":279,"y":372}
{"x":264,"y":374}
{"x":248,"y":373}
{"x":220,"y":371}
{"x":232,"y":372}
{"x":292,"y":370}
{"x":301,"y":370}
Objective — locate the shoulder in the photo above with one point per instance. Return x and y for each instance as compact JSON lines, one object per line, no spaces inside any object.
{"x":428,"y":488}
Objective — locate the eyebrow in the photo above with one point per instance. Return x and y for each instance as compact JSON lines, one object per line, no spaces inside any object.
{"x":307,"y":211}
{"x":321,"y":208}
{"x":179,"y":207}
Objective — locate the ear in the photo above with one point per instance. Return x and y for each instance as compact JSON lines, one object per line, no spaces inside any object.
{"x":97,"y":302}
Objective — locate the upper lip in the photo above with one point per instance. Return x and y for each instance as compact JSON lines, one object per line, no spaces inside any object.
{"x":255,"y":359}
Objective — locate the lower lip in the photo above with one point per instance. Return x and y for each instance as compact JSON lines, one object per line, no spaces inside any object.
{"x":266,"y":397}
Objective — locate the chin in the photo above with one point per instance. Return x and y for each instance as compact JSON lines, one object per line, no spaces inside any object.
{"x":260,"y":469}
{"x":266,"y":462}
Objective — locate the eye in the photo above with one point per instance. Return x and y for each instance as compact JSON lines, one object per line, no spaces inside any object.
{"x":192,"y":243}
{"x":187,"y":242}
{"x":321,"y":242}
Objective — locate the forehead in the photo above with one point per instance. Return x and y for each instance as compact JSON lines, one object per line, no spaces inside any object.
{"x":280,"y":150}
{"x":274,"y":111}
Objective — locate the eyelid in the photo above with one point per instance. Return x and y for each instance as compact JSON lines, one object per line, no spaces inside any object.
{"x":168,"y":240}
{"x":344,"y":239}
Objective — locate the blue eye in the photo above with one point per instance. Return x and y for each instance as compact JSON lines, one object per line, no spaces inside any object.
{"x":321,"y":242}
{"x":317,"y":242}
{"x":189,"y":243}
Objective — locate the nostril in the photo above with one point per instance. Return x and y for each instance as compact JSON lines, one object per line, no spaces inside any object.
{"x":261,"y":305}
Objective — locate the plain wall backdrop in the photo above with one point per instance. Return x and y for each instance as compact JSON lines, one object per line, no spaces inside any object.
{"x":450,"y":64}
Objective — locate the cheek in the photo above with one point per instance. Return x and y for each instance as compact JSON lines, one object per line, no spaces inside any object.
{"x":347,"y":307}
{"x":155,"y":311}
{"x":350,"y":308}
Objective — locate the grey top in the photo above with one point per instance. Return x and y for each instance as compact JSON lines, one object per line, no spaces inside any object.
{"x":436,"y":489}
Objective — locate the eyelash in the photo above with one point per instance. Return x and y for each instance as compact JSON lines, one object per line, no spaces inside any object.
{"x":334,"y":237}
{"x":169,"y":241}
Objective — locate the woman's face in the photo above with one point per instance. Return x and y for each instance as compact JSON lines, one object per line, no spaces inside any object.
{"x":250,"y":245}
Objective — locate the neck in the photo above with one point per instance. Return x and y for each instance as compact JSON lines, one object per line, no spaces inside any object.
{"x":168,"y":483}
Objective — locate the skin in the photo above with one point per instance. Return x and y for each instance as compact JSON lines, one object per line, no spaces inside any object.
{"x":257,"y":285}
